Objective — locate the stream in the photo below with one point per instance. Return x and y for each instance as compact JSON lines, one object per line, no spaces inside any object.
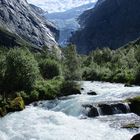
{"x":67,"y":118}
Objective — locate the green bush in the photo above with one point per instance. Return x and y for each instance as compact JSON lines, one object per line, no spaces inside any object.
{"x":22,"y":70}
{"x":69,"y":88}
{"x":49,"y":89}
{"x":49,"y":68}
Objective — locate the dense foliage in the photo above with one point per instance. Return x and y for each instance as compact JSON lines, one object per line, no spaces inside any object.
{"x":32,"y":76}
{"x":121,"y":65}
{"x":21,"y":70}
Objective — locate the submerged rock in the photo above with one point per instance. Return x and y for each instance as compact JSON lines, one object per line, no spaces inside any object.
{"x":130,"y":126}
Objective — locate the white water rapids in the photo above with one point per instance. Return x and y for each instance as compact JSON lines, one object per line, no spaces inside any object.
{"x":62,"y":119}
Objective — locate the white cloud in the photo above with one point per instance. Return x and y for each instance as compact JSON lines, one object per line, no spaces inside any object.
{"x":59,"y":5}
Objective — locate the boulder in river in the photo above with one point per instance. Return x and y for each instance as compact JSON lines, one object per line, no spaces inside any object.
{"x":136,"y":137}
{"x":93,"y":112}
{"x":120,"y":108}
{"x":134,"y":104}
{"x":106,"y":109}
{"x":91,"y":93}
{"x":128,"y":85}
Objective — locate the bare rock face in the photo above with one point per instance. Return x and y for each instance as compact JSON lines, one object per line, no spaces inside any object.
{"x":18,"y":17}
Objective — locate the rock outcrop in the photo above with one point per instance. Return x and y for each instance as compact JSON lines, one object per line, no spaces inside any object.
{"x":19,"y":18}
{"x":112,"y":23}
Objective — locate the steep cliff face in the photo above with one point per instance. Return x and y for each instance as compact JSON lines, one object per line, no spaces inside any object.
{"x":112,"y":23}
{"x":19,"y":18}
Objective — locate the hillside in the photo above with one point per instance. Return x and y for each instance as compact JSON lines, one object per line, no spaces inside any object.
{"x":112,"y":23}
{"x":19,"y":19}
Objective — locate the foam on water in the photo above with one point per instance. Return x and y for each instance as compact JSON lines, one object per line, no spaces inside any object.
{"x":37,"y":124}
{"x":60,"y":119}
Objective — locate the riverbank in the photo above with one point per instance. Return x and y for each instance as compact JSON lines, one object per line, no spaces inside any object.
{"x":45,"y":90}
{"x":66,"y":117}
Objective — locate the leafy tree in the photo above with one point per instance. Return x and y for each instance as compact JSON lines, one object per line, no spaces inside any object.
{"x":22,"y":70}
{"x":71,"y":63}
{"x":49,"y":68}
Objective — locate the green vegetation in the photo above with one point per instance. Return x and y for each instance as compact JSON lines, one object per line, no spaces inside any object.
{"x":49,"y":68}
{"x":27,"y":76}
{"x":71,"y":63}
{"x":21,"y":70}
{"x":121,"y":65}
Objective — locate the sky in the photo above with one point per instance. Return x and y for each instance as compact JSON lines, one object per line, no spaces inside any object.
{"x":59,"y":5}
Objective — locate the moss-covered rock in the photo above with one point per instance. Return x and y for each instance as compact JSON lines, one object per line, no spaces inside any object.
{"x":3,"y":111}
{"x":16,"y":105}
{"x":130,"y":126}
{"x":134,"y":104}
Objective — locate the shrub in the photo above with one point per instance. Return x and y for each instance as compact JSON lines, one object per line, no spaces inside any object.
{"x":69,"y":88}
{"x":49,"y":68}
{"x":71,"y":63}
{"x":22,"y":70}
{"x":48,"y":89}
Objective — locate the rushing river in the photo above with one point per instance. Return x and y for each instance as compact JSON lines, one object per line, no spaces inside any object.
{"x":65,"y":119}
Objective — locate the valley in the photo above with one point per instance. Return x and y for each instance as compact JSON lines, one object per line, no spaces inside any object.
{"x":69,"y":70}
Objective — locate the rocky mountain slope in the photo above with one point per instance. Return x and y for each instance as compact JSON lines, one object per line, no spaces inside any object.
{"x":112,"y":23}
{"x":17,"y":17}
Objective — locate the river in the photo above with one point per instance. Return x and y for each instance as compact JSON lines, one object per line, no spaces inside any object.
{"x":66,"y":118}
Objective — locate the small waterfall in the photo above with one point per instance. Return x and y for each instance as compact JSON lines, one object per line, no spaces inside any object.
{"x":107,"y":109}
{"x":99,"y":111}
{"x":120,"y":108}
{"x":127,"y":107}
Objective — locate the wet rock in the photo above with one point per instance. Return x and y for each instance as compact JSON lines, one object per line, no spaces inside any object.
{"x":134,"y":104}
{"x":130,"y":126}
{"x":16,"y":105}
{"x":87,"y":106}
{"x":128,"y":85}
{"x":93,"y":112}
{"x":91,"y":93}
{"x":106,"y":109}
{"x":136,"y":137}
{"x":35,"y":104}
{"x":119,"y":108}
